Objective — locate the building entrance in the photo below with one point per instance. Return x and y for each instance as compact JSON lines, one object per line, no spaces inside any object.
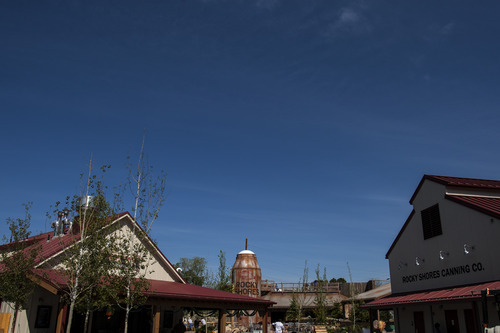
{"x":418,"y":319}
{"x":451,"y":318}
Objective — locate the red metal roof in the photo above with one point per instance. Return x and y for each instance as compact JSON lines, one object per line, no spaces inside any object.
{"x":465,"y":182}
{"x":170,"y":290}
{"x":487,"y":205}
{"x":458,"y":181}
{"x":442,"y":295}
{"x":175,"y":290}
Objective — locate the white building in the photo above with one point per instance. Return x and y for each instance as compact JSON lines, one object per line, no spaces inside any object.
{"x":169,"y":296}
{"x":445,"y":255}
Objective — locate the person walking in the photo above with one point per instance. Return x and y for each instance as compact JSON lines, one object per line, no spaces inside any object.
{"x":279,"y":327}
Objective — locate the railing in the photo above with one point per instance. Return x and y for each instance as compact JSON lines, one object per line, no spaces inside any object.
{"x":271,"y":286}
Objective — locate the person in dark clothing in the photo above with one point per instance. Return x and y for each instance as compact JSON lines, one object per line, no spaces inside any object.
{"x":179,"y":328}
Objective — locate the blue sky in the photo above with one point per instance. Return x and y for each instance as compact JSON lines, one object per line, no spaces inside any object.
{"x":304,"y":126}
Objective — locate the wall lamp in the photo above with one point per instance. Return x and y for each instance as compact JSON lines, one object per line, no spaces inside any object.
{"x":468,"y":248}
{"x":443,"y":255}
{"x":419,"y":261}
{"x":402,"y":265}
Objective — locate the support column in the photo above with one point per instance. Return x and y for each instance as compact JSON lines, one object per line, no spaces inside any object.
{"x":264,"y":322}
{"x":370,"y":312}
{"x":156,"y":318}
{"x":222,"y":320}
{"x":61,"y":319}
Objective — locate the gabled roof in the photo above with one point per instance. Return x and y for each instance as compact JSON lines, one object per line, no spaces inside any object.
{"x":458,"y":182}
{"x":54,"y":280}
{"x":487,"y":205}
{"x":51,"y":246}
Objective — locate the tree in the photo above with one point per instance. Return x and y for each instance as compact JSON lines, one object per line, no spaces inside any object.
{"x":220,"y":280}
{"x":223,"y":277}
{"x":99,"y":248}
{"x":193,"y":270}
{"x":359,"y":314}
{"x":320,"y":301}
{"x":88,"y":249}
{"x":129,"y":282}
{"x":299,"y":298}
{"x":337,"y":312}
{"x":352,"y":315}
{"x":339,"y":280}
{"x":294,"y":312}
{"x":17,"y":263}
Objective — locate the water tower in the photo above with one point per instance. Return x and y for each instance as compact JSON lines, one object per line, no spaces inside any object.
{"x":246,"y":278}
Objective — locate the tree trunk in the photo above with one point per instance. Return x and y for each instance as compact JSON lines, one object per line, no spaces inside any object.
{"x":86,"y":324}
{"x":14,"y":321}
{"x":70,"y":316}
{"x":127,"y":311}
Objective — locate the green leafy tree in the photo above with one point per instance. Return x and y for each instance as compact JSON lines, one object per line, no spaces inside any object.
{"x":86,"y":258}
{"x":128,"y":282}
{"x":362,"y":315}
{"x":193,"y":270}
{"x":339,"y":280}
{"x":99,"y":245}
{"x":223,"y":281}
{"x":294,"y":312}
{"x":17,"y":262}
{"x":336,"y":311}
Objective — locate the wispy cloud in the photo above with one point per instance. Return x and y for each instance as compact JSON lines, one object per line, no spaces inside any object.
{"x":348,"y":21}
{"x":438,"y":32}
{"x":447,"y":29}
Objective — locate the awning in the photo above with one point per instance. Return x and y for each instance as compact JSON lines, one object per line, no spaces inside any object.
{"x":471,"y":292}
{"x":181,"y":294}
{"x":376,"y":293}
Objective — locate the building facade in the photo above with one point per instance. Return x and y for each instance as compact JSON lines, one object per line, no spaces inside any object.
{"x":169,"y":297}
{"x":443,"y":263}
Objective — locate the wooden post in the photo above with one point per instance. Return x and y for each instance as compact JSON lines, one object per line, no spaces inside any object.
{"x":61,"y":319}
{"x":156,"y":319}
{"x":222,"y":321}
{"x":264,"y":322}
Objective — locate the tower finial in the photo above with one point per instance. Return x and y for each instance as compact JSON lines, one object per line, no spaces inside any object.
{"x":246,"y":243}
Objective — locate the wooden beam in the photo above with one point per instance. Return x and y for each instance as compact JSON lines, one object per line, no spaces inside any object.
{"x":43,"y":284}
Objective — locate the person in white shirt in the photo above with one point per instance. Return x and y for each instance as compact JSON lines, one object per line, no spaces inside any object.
{"x":279,"y":327}
{"x":190,"y":322}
